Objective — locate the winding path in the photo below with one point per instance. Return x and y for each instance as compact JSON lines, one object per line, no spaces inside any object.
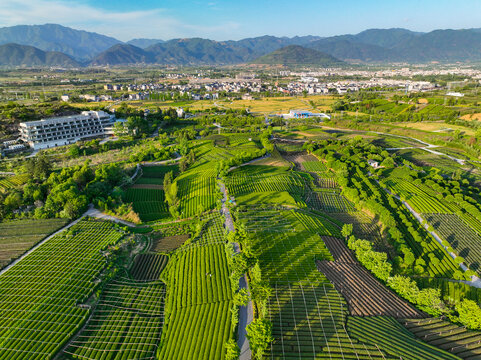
{"x":246,"y":312}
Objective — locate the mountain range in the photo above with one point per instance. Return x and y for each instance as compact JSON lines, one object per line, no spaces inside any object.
{"x":82,"y":48}
{"x":297,"y":55}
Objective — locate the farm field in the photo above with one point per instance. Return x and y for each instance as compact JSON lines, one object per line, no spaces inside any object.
{"x":444,"y":335}
{"x":147,"y":195}
{"x":199,"y":297}
{"x":39,"y":295}
{"x":464,"y":240}
{"x":18,"y":236}
{"x":11,"y":182}
{"x":364,"y":294}
{"x":126,"y":323}
{"x":296,"y":194}
{"x":388,"y":334}
{"x":148,"y":267}
{"x":148,"y":203}
{"x":440,"y":126}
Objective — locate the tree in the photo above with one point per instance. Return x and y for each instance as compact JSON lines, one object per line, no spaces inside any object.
{"x":12,"y":202}
{"x":119,"y":128}
{"x":469,"y":314}
{"x":232,"y":350}
{"x":74,"y":151}
{"x":170,"y":190}
{"x":241,"y":298}
{"x":259,"y":334}
{"x":346,"y":230}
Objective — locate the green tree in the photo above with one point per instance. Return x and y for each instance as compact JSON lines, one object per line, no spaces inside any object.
{"x":232,"y":350}
{"x":74,"y":151}
{"x":469,"y":314}
{"x":346,"y":230}
{"x":259,"y":334}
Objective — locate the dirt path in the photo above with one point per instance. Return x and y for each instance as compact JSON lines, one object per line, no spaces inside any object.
{"x":246,"y":313}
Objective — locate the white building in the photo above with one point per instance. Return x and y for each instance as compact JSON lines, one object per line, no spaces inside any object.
{"x":373,"y":163}
{"x":180,"y":112}
{"x":298,"y":114}
{"x":58,"y":131}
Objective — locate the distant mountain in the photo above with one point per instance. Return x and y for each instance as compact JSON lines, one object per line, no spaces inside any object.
{"x":195,"y":51}
{"x":348,"y":49}
{"x":79,"y":44}
{"x":298,"y":55}
{"x":198,"y":51}
{"x":262,"y":45}
{"x":369,"y":46}
{"x":442,"y":45}
{"x":386,"y":38}
{"x":22,"y":55}
{"x":123,"y":54}
{"x":144,"y":43}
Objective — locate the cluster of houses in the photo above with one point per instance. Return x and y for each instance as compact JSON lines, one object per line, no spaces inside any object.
{"x":313,"y":86}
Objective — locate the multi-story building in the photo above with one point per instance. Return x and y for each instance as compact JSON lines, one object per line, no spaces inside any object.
{"x":51,"y":132}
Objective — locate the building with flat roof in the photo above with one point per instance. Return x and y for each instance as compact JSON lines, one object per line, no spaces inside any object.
{"x":297,"y":114}
{"x":58,"y":131}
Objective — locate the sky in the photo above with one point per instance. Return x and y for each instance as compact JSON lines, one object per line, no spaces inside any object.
{"x":237,"y":19}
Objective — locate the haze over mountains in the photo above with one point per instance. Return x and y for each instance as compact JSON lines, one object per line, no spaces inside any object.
{"x":371,"y":46}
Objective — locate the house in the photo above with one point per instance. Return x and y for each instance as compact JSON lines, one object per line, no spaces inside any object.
{"x":89,"y":97}
{"x":373,"y":163}
{"x":65,"y":98}
{"x":180,"y":112}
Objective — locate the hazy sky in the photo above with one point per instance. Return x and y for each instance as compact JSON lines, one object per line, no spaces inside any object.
{"x":223,"y":20}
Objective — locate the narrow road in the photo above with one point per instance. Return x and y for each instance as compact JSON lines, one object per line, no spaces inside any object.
{"x":246,"y":313}
{"x":250,"y":162}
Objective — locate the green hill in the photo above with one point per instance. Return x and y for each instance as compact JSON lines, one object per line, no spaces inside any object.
{"x":29,"y":56}
{"x":298,"y":55}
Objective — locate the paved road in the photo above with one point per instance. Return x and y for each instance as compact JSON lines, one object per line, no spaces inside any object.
{"x":246,"y":313}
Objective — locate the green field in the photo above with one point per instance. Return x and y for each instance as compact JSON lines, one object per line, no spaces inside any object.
{"x":40,"y":293}
{"x":18,"y":236}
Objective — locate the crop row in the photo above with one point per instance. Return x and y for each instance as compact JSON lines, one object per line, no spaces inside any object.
{"x":197,"y":194}
{"x":13,"y":181}
{"x":391,"y":337}
{"x":314,"y":166}
{"x":308,"y":323}
{"x":198,"y":332}
{"x":199,"y":275}
{"x":462,"y":239}
{"x":126,"y":324}
{"x":18,"y":236}
{"x":148,"y":267}
{"x":148,"y":203}
{"x":445,"y":335}
{"x":245,"y":184}
{"x":39,"y":294}
{"x":330,"y":202}
{"x":288,"y":255}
